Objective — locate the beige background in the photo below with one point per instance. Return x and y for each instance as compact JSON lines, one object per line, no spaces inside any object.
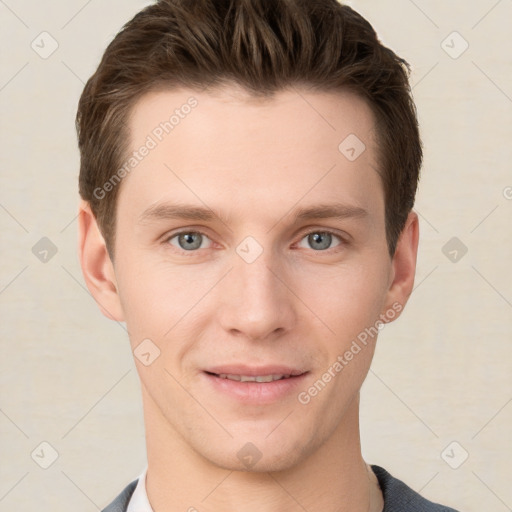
{"x":441,"y":372}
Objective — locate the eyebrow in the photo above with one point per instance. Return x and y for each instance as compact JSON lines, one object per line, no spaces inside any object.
{"x":330,"y":211}
{"x":168,"y":211}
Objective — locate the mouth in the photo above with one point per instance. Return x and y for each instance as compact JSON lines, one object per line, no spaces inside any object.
{"x":251,"y":378}
{"x":252,"y":385}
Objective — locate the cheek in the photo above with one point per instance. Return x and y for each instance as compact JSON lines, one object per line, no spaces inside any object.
{"x":349,"y":302}
{"x":159,"y":300}
{"x":346,"y":298}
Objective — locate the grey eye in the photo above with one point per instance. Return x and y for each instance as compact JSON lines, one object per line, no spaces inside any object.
{"x":320,"y":240}
{"x":188,"y":240}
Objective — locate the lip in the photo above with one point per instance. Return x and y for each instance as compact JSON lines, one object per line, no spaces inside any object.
{"x":252,"y":371}
{"x":256,"y":393}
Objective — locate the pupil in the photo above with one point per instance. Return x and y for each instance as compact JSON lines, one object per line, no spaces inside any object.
{"x":323,"y":240}
{"x":190,"y":241}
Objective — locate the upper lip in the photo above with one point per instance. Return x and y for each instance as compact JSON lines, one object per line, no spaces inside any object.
{"x":254,"y":371}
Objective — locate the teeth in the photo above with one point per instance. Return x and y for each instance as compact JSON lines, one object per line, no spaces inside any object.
{"x":252,"y":378}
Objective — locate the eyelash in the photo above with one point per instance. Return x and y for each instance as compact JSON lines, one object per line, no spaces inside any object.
{"x":169,"y":237}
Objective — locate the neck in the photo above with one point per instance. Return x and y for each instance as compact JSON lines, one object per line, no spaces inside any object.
{"x":334,"y":477}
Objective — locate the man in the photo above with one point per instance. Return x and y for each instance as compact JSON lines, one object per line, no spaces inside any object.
{"x":248,"y":172}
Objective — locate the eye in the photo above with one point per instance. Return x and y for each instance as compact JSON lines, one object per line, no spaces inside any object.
{"x":188,"y":240}
{"x":321,"y":240}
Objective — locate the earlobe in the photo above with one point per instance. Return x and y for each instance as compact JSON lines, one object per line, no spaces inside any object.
{"x":97,"y":267}
{"x":403,"y":266}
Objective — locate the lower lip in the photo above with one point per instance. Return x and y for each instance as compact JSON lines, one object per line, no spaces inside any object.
{"x":256,"y":392}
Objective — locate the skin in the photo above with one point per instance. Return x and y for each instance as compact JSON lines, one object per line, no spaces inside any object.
{"x":254,"y":163}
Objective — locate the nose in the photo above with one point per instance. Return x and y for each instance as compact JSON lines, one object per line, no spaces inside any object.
{"x":255,"y":302}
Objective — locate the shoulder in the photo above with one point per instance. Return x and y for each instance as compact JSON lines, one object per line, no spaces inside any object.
{"x":120,"y":504}
{"x":398,"y":497}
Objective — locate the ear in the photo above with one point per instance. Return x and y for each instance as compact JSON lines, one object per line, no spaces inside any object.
{"x":97,"y":268}
{"x":403,"y":266}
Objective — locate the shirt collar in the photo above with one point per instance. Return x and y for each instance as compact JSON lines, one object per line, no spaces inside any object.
{"x":139,"y":501}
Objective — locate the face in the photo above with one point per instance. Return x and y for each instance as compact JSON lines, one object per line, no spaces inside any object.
{"x":250,"y":243}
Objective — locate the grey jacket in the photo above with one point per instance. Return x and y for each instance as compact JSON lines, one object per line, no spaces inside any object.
{"x":398,"y":497}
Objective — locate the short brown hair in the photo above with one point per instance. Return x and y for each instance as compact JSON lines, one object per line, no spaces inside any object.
{"x":263,"y":46}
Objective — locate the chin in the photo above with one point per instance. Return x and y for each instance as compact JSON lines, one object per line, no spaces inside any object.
{"x":259,"y":455}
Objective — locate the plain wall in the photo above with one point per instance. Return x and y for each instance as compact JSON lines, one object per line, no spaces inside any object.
{"x":441,"y":372}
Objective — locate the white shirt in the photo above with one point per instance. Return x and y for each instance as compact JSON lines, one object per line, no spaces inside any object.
{"x":139,"y":501}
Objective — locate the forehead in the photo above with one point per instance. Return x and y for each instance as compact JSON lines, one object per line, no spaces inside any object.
{"x":225,"y":145}
{"x":220,"y":108}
